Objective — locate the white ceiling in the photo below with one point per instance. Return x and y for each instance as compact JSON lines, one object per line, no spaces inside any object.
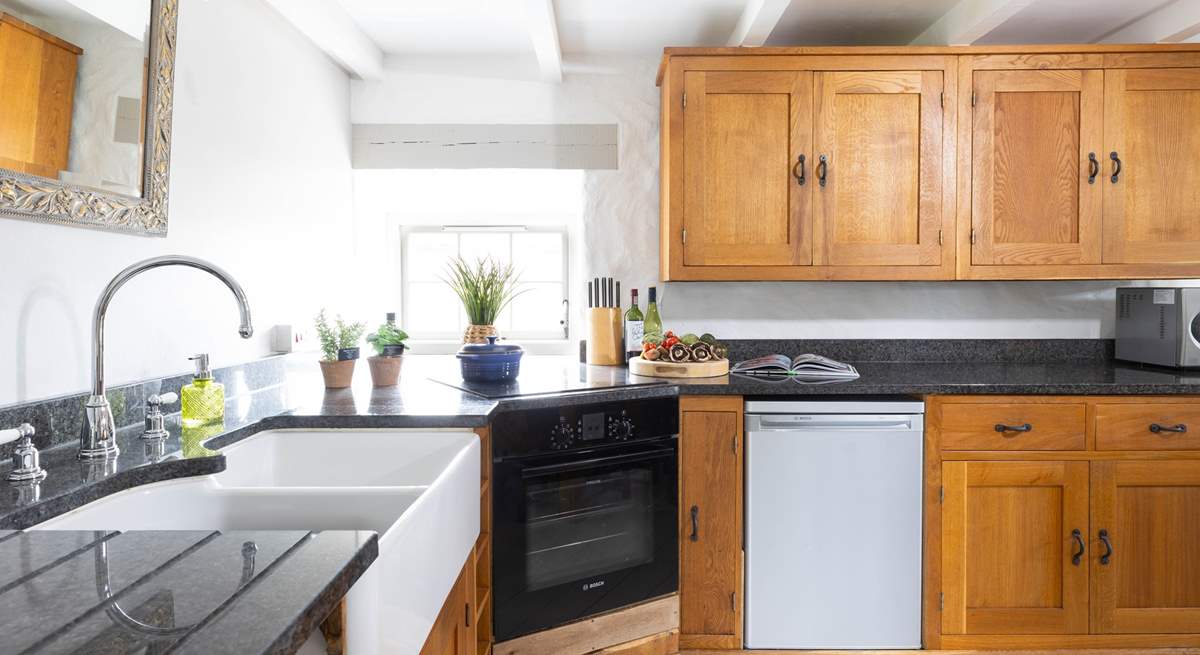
{"x":369,"y":30}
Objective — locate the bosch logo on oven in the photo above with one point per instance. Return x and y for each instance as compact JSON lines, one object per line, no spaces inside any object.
{"x":592,"y":585}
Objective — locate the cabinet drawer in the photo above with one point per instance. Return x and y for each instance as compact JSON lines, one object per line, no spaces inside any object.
{"x":973,"y":426}
{"x":1153,"y":426}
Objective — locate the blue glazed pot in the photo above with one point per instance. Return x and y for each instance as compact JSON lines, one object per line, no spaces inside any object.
{"x":490,"y":362}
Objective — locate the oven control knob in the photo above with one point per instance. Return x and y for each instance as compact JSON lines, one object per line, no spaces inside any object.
{"x":620,"y":428}
{"x":561,"y":436}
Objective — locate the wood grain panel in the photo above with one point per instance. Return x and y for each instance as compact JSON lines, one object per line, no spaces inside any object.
{"x":57,"y":86}
{"x":20,"y":76}
{"x":710,"y":582}
{"x":1127,"y":427}
{"x":972,"y":426}
{"x":623,"y":628}
{"x":1152,"y":212}
{"x":1001,"y":515}
{"x":1151,"y":583}
{"x":738,"y":188}
{"x":1032,"y":135}
{"x":881,"y":135}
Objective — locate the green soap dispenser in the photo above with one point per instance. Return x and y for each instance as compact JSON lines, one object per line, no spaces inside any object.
{"x":203,"y":400}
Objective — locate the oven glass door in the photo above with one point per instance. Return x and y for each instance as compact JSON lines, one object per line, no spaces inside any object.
{"x":582,"y":533}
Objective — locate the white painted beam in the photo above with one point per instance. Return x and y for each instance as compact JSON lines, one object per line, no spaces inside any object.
{"x":757,"y":21}
{"x":970,"y":20}
{"x":334,"y":31}
{"x":1172,"y":23}
{"x":543,"y":31}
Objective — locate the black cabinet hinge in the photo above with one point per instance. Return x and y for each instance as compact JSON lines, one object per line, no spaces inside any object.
{"x":683,"y":101}
{"x":973,"y":98}
{"x":941,"y":494}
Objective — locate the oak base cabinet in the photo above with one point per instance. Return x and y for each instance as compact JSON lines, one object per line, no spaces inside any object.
{"x":1085,"y":548}
{"x":710,"y":522}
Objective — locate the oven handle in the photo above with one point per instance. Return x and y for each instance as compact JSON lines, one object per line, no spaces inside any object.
{"x":628,"y":458}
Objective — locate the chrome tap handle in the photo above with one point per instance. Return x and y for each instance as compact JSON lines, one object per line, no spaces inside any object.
{"x":26,"y":466}
{"x":155,"y":428}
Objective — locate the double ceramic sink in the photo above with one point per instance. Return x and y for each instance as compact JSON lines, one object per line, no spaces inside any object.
{"x":418,"y":489}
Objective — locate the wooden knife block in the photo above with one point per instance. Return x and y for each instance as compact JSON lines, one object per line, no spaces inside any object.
{"x":605,"y":344}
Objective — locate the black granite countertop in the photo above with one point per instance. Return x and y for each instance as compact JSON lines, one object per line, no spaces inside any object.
{"x":186,"y":592}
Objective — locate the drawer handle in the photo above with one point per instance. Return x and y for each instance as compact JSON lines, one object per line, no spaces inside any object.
{"x":798,"y":170}
{"x":695,"y":535}
{"x":1077,"y":535}
{"x":822,"y":169}
{"x":1024,"y":427}
{"x":1116,"y":174}
{"x":1093,"y":167}
{"x":1108,"y":549}
{"x":1178,"y":427}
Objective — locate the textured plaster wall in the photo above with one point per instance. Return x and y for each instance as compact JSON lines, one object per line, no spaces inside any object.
{"x":620,"y":217}
{"x":260,"y":184}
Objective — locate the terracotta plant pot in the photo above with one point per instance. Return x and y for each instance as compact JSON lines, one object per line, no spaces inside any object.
{"x":385,"y":371}
{"x":480,"y":333}
{"x":338,"y":374}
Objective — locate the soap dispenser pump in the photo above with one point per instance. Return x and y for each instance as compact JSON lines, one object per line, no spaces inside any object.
{"x":202,"y":401}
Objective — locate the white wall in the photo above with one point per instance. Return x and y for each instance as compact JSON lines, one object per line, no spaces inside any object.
{"x":620,"y":218}
{"x":260,"y":184}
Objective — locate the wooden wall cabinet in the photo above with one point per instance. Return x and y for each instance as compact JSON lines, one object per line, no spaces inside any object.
{"x":1013,"y":162}
{"x":37,"y":73}
{"x":710,"y":522}
{"x":806,"y":168}
{"x":1090,"y":547}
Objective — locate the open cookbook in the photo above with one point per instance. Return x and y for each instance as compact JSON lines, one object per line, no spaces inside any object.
{"x":802,"y":366}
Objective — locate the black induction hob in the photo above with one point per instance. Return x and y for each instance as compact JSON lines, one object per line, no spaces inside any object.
{"x":549,"y":376}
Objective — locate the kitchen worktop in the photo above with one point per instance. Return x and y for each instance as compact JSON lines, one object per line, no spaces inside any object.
{"x":190,"y":592}
{"x":295,"y":398}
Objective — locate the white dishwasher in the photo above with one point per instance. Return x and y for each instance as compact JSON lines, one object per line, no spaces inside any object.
{"x":833,"y":524}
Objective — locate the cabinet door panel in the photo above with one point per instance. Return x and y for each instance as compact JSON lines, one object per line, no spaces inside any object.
{"x":1033,"y":135}
{"x":743,"y":134}
{"x":1152,"y":211}
{"x":881,"y":136}
{"x":1151,"y":583}
{"x":711,"y":547}
{"x":1007,"y":548}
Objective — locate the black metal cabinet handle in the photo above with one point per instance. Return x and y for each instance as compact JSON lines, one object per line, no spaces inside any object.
{"x":695,"y":536}
{"x":1116,"y":165}
{"x":1178,"y":427}
{"x":822,"y":169}
{"x":798,"y":170}
{"x":1024,"y":427}
{"x":1077,"y":535}
{"x":1093,"y":167}
{"x":1108,"y":549}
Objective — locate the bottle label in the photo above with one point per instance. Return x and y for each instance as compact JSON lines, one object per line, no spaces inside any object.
{"x":634,"y":331}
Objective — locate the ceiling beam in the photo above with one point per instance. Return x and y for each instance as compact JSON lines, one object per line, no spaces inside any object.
{"x":1174,"y":22}
{"x":543,"y":31}
{"x":970,"y":20}
{"x":332,"y":29}
{"x":757,"y":21}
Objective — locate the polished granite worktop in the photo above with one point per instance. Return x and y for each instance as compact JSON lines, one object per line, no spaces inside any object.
{"x":183,"y":592}
{"x":419,"y":401}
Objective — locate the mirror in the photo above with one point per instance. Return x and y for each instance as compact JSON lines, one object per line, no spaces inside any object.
{"x":85,"y":112}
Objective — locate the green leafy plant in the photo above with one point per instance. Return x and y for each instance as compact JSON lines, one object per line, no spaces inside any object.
{"x":387,"y":335}
{"x":338,"y":336}
{"x":485,"y":287}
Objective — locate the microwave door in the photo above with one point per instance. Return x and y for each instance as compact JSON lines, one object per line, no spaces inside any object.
{"x":1189,"y":337}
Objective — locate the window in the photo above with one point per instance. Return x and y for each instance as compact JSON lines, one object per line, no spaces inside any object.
{"x":431,"y":311}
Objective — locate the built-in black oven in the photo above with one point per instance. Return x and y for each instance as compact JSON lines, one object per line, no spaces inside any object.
{"x":584,"y":510}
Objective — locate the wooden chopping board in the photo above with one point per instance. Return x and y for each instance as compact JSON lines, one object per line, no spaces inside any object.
{"x":661,"y":369}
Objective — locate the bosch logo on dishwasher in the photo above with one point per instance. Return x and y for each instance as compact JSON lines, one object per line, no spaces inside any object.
{"x":593,"y":585}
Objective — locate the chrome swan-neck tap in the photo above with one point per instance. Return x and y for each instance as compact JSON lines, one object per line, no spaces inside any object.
{"x":97,"y":439}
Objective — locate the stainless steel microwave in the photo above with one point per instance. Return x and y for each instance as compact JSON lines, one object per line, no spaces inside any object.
{"x":1159,"y":325}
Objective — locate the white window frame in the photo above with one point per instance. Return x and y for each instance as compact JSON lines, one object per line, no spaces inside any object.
{"x":549,"y":342}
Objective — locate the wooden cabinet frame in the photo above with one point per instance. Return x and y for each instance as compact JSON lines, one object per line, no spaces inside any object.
{"x":1106,"y":626}
{"x":1099,"y":253}
{"x":933,"y":258}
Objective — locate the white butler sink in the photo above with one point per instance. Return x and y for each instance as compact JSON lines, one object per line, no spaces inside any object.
{"x":418,"y":489}
{"x":372,"y":458}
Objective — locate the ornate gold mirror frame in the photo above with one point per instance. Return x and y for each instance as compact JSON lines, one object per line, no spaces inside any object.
{"x":48,"y":201}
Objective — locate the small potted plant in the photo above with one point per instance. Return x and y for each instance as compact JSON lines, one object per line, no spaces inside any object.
{"x":388,"y":342}
{"x":339,"y":349}
{"x":485,"y":288}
